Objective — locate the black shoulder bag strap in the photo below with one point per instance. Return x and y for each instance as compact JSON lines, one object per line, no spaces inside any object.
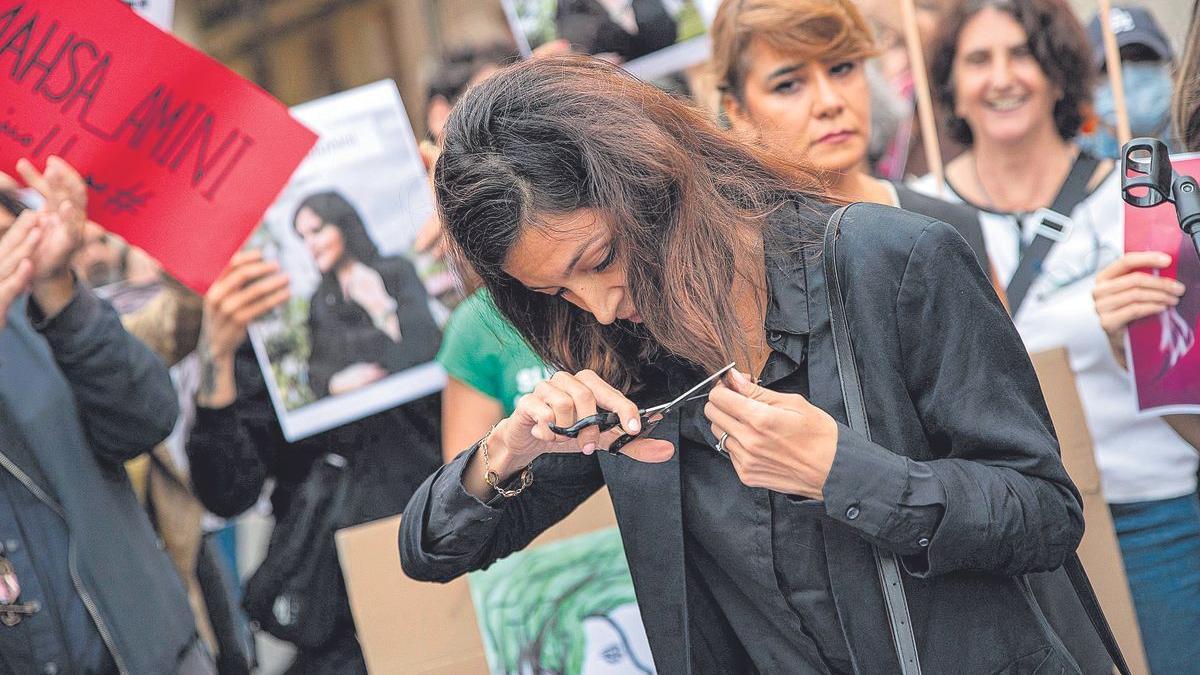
{"x":885,"y":561}
{"x":1091,"y":605}
{"x":1054,"y":224}
{"x":856,"y":415}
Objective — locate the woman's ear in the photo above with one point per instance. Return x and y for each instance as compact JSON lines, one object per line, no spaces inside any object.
{"x":735,"y":112}
{"x":437,"y":111}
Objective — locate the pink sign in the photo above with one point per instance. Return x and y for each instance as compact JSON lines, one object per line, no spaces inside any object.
{"x":1163,"y":354}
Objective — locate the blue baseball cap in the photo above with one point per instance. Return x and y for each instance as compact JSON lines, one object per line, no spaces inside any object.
{"x":1132,"y":26}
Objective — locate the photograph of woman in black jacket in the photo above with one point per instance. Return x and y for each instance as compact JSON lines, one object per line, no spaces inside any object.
{"x":639,"y":248}
{"x":369,"y":317}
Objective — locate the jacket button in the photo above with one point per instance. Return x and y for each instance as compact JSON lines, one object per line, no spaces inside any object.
{"x":774,"y":336}
{"x":12,"y":545}
{"x":51,"y":668}
{"x":923,"y":542}
{"x":852,"y":512}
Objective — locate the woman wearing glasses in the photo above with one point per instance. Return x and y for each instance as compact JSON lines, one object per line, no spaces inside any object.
{"x":1015,"y":73}
{"x":639,"y":248}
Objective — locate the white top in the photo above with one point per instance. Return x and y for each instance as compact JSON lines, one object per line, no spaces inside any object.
{"x":1140,"y":458}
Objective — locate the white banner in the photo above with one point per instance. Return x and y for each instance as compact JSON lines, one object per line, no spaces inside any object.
{"x":158,"y":12}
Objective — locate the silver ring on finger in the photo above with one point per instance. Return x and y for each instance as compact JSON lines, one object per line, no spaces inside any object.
{"x":721,"y":443}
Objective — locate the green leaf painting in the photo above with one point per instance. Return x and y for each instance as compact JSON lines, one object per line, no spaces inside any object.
{"x":534,"y":608}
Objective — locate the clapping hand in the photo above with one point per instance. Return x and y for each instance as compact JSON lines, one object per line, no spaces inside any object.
{"x":65,"y":211}
{"x":17,"y":244}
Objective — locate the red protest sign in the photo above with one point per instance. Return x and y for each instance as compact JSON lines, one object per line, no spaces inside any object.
{"x":182,"y":155}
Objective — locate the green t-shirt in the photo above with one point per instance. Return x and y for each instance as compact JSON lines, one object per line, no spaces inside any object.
{"x":482,"y":349}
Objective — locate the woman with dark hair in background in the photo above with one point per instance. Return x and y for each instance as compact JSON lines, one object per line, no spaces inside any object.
{"x":369,"y":316}
{"x":1015,"y":75}
{"x":638,"y":248}
{"x":638,"y":28}
{"x":792,"y":75}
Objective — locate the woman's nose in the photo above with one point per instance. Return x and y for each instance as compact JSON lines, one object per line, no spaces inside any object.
{"x":1001,"y":72}
{"x":595,"y":302}
{"x":829,"y":101}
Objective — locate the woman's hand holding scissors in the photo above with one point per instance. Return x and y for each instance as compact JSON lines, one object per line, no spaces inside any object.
{"x":562,"y":401}
{"x":777,"y":441}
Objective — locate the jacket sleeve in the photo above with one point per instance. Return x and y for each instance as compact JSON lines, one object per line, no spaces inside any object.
{"x":446,"y":532}
{"x":227,"y":446}
{"x":1009,"y":507}
{"x":125,"y":396}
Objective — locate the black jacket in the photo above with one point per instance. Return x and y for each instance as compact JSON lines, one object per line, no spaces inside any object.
{"x":78,"y":397}
{"x":234,"y":450}
{"x":947,"y":382}
{"x":343,"y":334}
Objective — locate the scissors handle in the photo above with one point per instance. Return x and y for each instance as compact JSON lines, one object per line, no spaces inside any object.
{"x":603,"y":421}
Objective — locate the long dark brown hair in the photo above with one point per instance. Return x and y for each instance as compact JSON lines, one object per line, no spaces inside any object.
{"x":688,"y":204}
{"x":1185,"y":110}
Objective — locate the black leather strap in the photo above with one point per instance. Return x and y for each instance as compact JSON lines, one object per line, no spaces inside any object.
{"x":890,"y":579}
{"x":1052,"y":226}
{"x":1091,"y":605}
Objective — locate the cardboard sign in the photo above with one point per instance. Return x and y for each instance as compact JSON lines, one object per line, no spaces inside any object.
{"x":181,"y":155}
{"x":1161,"y":350}
{"x":407,"y":626}
{"x":157,"y":12}
{"x":1099,"y":550}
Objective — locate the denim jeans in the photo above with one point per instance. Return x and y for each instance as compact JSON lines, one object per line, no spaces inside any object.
{"x":1160,"y":543}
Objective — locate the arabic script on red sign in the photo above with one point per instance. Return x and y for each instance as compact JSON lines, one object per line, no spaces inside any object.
{"x":182,"y":155}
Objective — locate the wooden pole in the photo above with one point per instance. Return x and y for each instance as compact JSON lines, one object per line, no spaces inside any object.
{"x":916,"y":61}
{"x":1112,"y":57}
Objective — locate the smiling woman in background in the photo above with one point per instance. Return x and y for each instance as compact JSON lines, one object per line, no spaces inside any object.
{"x":1015,"y":73}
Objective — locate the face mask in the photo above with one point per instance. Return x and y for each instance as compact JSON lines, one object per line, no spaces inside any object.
{"x":1148,"y":89}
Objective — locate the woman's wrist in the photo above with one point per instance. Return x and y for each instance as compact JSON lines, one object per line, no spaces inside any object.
{"x":492,"y":456}
{"x":217,"y":388}
{"x":53,"y":293}
{"x":500,"y":458}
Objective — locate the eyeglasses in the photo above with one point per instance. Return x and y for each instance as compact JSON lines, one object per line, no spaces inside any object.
{"x":649,"y":417}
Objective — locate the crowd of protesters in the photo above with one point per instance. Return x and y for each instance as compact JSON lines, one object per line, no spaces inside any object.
{"x":135,"y":417}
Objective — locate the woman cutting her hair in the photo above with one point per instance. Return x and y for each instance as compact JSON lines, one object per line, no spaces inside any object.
{"x":639,"y":249}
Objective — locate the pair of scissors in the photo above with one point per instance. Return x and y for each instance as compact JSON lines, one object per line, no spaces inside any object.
{"x":649,"y":417}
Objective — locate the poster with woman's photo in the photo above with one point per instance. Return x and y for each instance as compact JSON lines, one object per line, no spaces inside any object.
{"x":649,"y":38}
{"x":1162,"y":349}
{"x":360,"y":331}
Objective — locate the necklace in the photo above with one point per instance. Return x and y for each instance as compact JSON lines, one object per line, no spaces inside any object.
{"x":991,"y":204}
{"x":987,"y":197}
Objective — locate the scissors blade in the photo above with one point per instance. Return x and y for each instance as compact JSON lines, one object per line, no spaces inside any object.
{"x":666,"y":407}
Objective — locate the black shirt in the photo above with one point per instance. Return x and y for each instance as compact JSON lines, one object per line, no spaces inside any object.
{"x":760,"y":555}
